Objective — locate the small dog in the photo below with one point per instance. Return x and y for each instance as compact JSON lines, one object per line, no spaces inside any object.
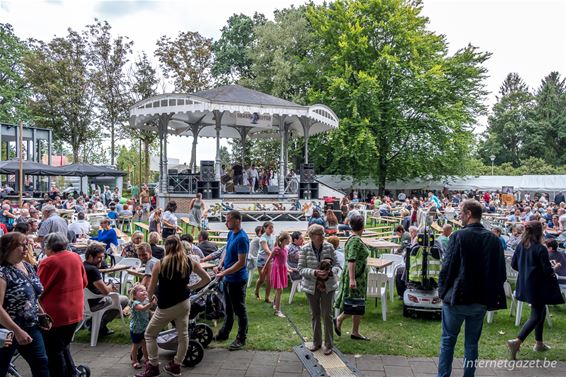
{"x":325,"y":265}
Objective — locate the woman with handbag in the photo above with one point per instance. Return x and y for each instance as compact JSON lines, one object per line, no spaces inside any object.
{"x":64,"y":279}
{"x":20,"y":311}
{"x":353,"y":284}
{"x":319,"y":285}
{"x":536,"y":284}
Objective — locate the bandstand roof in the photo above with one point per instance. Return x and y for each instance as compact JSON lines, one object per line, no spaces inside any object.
{"x":244,"y":111}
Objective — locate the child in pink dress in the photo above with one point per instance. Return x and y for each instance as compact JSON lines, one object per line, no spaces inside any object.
{"x":279,"y":270}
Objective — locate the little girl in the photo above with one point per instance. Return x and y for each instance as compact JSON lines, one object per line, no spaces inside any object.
{"x":279,"y":270}
{"x":138,"y":322}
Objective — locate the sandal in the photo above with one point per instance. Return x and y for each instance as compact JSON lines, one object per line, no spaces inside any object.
{"x":137,"y":365}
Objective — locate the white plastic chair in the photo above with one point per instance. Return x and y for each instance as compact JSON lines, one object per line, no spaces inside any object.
{"x":124,"y":276}
{"x":519,"y":313}
{"x":508,"y":293}
{"x":391,"y":270}
{"x":295,"y":287}
{"x":377,"y":287}
{"x":96,"y":317}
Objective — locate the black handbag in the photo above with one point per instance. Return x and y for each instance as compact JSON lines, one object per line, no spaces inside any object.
{"x":354,"y":306}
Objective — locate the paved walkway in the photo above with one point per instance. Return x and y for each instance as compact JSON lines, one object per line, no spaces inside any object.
{"x":112,"y":360}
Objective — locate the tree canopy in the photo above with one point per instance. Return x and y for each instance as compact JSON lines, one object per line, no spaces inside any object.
{"x":405,"y":105}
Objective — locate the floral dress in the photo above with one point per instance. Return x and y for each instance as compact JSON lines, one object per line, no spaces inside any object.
{"x":355,"y":251}
{"x":21,"y":296}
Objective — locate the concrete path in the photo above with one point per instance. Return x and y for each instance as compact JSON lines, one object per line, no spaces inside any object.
{"x":112,"y":360}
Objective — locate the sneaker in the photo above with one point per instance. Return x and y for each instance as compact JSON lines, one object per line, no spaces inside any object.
{"x":279,"y":314}
{"x":173,"y":369}
{"x":541,"y":348}
{"x":149,"y":371}
{"x":514,"y":347}
{"x":236,"y":345}
{"x":106,"y":332}
{"x":219,"y":337}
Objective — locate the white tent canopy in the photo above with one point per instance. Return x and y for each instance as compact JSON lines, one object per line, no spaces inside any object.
{"x":521,"y":183}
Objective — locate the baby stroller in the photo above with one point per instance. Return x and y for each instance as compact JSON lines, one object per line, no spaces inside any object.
{"x":422,"y":268}
{"x":200,"y":334}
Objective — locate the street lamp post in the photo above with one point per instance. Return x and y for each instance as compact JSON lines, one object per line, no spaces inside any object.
{"x":492,"y":158}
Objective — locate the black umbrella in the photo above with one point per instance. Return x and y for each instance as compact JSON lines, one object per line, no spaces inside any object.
{"x":28,"y":168}
{"x":87,"y":170}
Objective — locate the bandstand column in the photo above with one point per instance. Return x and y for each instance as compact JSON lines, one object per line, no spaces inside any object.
{"x":218,"y":120}
{"x":163,"y":172}
{"x":282,"y":156}
{"x":195,"y":130}
{"x":49,"y":152}
{"x":286,"y":152}
{"x":306,"y":129}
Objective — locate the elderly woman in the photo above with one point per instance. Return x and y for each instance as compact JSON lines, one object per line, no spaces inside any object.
{"x":129,"y":250}
{"x":20,"y":311}
{"x":354,"y":279}
{"x":320,"y":300}
{"x":64,"y":279}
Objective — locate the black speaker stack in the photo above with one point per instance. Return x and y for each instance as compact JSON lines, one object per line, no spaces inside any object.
{"x":307,"y":173}
{"x":308,"y":187}
{"x":207,"y":171}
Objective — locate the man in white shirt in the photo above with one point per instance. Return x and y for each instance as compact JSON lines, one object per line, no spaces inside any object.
{"x":81,"y":227}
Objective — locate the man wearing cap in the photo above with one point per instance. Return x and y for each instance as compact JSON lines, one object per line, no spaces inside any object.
{"x":52,"y":223}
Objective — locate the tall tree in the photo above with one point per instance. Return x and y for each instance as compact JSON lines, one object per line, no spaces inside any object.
{"x":14,"y":91}
{"x":405,"y":105}
{"x":187,"y":60}
{"x":61,"y":79}
{"x":509,"y":123}
{"x":550,"y":120}
{"x":233,"y":51}
{"x":144,"y":84}
{"x":109,"y":56}
{"x":282,"y":56}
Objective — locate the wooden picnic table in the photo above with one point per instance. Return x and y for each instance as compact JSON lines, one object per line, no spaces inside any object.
{"x":380,"y":244}
{"x":140,"y":273}
{"x":116,"y":268}
{"x":80,"y":245}
{"x":378,"y":262}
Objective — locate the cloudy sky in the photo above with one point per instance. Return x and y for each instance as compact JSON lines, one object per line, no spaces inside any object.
{"x":528,"y":37}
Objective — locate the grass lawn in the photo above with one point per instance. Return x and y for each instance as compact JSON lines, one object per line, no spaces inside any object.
{"x":396,"y":336}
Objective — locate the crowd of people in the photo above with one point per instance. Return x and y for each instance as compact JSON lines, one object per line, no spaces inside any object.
{"x":43,"y":293}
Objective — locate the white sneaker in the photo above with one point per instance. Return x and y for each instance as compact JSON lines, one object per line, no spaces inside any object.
{"x":279,"y":314}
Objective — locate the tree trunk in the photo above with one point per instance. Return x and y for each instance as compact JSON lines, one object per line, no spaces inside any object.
{"x":382,"y":174}
{"x":75,"y":154}
{"x":112,"y":144}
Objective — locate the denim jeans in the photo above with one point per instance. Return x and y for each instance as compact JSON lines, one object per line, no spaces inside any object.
{"x":235,"y":301}
{"x":452,"y":318}
{"x":34,"y":353}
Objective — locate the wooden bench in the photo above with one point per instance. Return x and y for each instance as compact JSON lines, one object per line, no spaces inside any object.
{"x":189,"y":227}
{"x":144,"y":228}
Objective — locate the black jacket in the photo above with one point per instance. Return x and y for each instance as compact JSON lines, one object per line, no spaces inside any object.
{"x":536,"y":283}
{"x":473,"y":271}
{"x":559,"y":198}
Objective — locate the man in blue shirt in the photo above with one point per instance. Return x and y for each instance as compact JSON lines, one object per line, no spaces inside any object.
{"x":235,"y":273}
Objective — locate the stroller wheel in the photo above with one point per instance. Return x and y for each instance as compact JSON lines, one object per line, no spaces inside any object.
{"x":194,"y":355}
{"x":83,"y":371}
{"x":202,"y":333}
